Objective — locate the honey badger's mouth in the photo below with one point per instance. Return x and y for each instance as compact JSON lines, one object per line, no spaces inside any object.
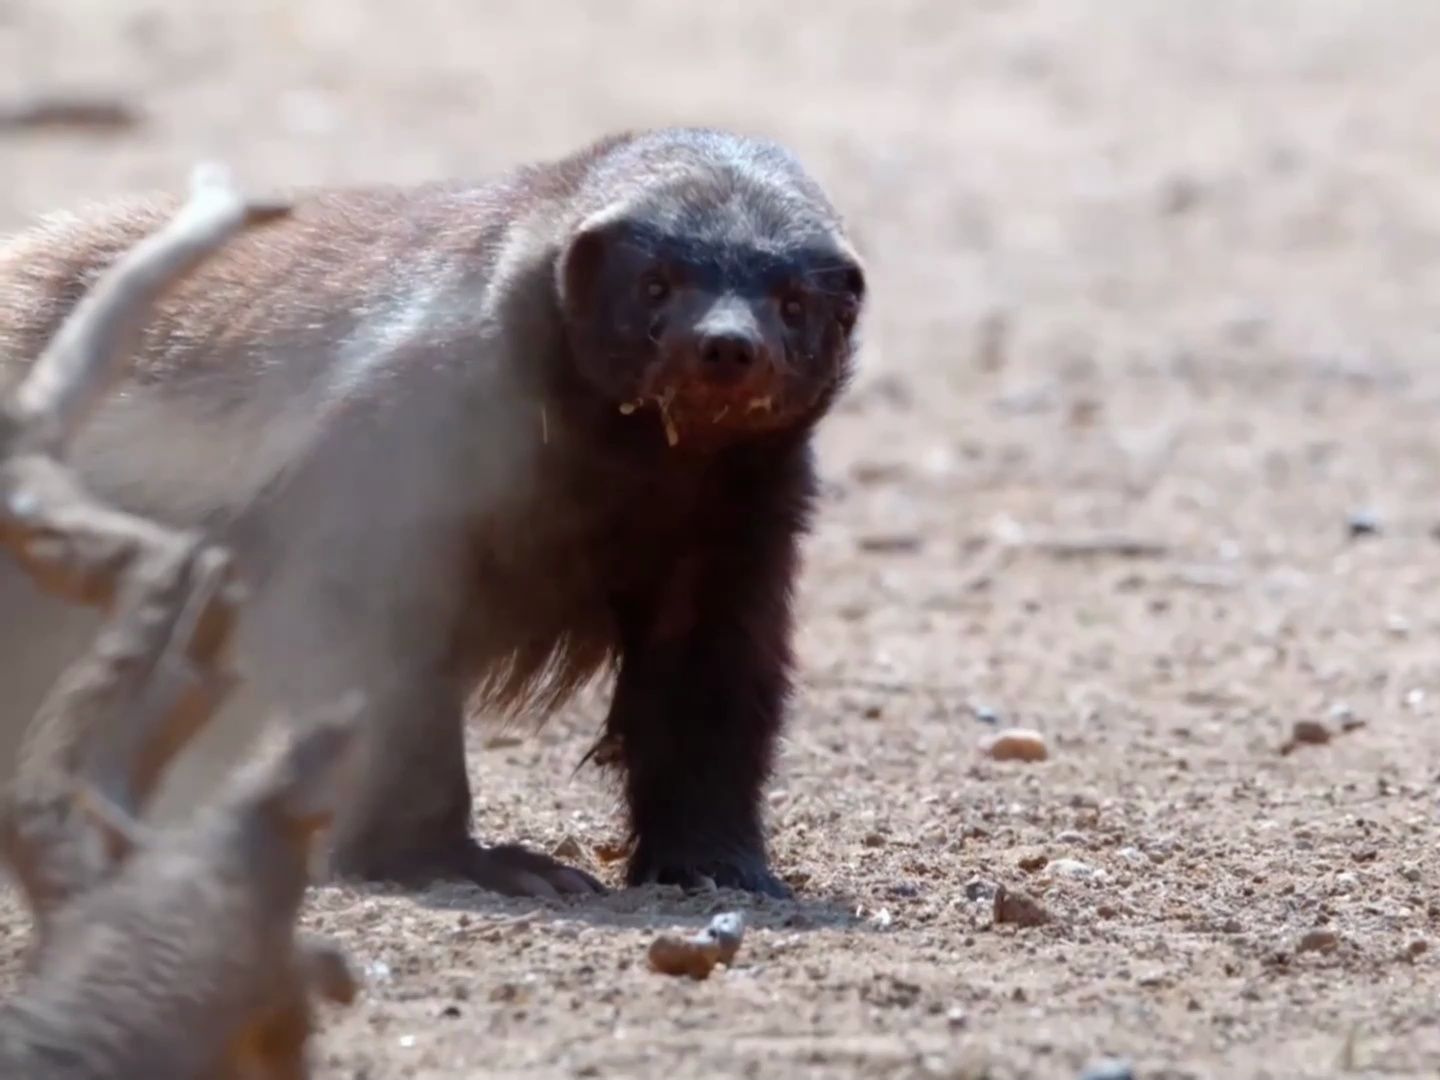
{"x":701,"y":414}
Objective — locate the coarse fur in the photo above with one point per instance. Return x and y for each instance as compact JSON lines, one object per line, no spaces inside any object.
{"x":488,"y":441}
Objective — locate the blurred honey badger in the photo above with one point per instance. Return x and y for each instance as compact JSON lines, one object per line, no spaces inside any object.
{"x":489,"y":441}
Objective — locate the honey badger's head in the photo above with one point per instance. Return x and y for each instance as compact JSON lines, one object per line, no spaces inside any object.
{"x":713,"y":289}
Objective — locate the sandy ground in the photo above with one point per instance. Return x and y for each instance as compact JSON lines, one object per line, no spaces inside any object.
{"x":1157,"y":308}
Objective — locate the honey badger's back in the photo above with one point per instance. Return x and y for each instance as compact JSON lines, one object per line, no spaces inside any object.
{"x":324,"y":289}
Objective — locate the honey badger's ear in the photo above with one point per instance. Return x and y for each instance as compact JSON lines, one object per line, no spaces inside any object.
{"x":855,"y":276}
{"x":581,"y":263}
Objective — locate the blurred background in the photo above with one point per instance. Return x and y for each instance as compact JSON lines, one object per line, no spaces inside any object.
{"x":1144,"y":455}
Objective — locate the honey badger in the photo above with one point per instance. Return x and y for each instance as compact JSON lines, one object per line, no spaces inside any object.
{"x":480,"y":442}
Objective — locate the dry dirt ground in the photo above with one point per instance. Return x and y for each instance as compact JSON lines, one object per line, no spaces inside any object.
{"x":1157,"y":309}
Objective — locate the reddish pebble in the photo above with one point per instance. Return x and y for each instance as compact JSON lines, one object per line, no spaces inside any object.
{"x":1016,"y":744}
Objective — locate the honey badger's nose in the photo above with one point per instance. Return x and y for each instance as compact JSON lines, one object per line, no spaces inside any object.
{"x":729,"y":350}
{"x":728,"y":341}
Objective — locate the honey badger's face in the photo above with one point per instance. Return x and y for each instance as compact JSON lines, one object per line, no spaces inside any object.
{"x":726,"y":305}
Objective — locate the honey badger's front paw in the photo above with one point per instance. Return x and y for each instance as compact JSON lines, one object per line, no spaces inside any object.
{"x":508,"y":869}
{"x":747,"y":871}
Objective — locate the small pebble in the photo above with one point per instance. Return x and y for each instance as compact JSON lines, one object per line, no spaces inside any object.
{"x":1032,"y":861}
{"x":1306,"y":733}
{"x":891,"y":544}
{"x":986,"y":715}
{"x":1016,"y":744}
{"x":688,"y":956}
{"x":1133,"y":855}
{"x":1109,"y":1069}
{"x":870,"y":473}
{"x":1074,"y":869}
{"x":936,"y":835}
{"x":1344,"y":715}
{"x":727,"y":928}
{"x":1416,"y":949}
{"x":1318,"y":940}
{"x":1362,"y":523}
{"x":978,"y":889}
{"x":1018,"y":909}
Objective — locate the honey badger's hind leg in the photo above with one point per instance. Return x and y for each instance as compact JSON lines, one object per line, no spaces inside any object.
{"x":361,"y":554}
{"x":410,"y":819}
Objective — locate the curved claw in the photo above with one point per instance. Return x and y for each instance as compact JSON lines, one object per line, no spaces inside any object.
{"x":508,"y":869}
{"x":517,"y":871}
{"x":747,"y":873}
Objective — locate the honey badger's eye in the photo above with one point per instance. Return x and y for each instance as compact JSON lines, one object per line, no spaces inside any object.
{"x":655,"y":288}
{"x":792,"y":308}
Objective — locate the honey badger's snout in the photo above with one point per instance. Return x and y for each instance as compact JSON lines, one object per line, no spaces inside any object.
{"x":721,"y":346}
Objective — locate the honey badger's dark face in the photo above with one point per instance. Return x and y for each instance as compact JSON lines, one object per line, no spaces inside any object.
{"x":722,"y":302}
